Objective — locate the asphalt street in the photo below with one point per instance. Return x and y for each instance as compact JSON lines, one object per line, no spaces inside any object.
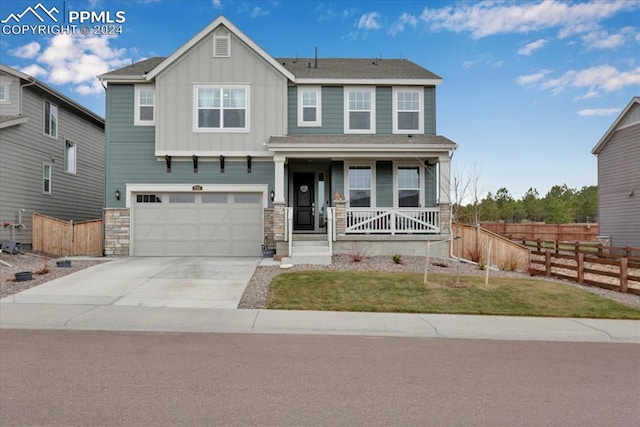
{"x":160,"y":378}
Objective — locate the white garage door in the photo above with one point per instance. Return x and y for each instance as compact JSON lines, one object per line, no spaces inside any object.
{"x":197,"y":224}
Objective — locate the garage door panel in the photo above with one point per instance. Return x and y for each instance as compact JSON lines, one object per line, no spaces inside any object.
{"x":207,"y":224}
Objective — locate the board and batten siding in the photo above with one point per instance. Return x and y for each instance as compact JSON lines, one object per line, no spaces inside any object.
{"x":619,"y":187}
{"x":132,"y":160}
{"x":23,"y":150}
{"x":333,"y":111}
{"x":175,"y":102}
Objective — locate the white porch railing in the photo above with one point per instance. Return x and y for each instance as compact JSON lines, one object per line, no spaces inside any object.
{"x":331,"y":228}
{"x":393,"y":220}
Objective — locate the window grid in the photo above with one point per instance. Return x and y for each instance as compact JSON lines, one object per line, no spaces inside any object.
{"x":221,"y":108}
{"x":4,"y":93}
{"x":360,"y":178}
{"x":50,"y":119}
{"x":46,"y":178}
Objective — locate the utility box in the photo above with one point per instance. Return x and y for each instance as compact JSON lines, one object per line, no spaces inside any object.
{"x":10,"y":246}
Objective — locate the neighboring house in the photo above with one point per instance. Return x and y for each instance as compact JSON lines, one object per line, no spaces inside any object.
{"x":51,"y":156}
{"x":618,"y":153}
{"x":220,"y":148}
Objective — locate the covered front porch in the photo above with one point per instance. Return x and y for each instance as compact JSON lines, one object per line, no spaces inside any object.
{"x":364,"y":190}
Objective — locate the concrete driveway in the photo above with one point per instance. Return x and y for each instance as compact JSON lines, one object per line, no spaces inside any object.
{"x":181,"y":282}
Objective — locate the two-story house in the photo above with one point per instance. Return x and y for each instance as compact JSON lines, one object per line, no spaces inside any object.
{"x":51,"y":156}
{"x":221,"y":148}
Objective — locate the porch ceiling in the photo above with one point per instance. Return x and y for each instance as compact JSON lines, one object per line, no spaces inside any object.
{"x":360,"y":145}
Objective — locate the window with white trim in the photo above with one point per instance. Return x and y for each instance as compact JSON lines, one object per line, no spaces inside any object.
{"x":360,"y":181}
{"x":4,"y":93}
{"x":309,"y":106}
{"x":408,"y":186}
{"x":360,"y":108}
{"x":70,"y":153}
{"x":408,"y":110}
{"x":50,"y":119}
{"x":221,"y":108}
{"x":46,"y":178}
{"x":145,"y":101}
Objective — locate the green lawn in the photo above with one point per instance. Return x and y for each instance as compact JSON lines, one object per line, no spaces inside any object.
{"x":405,"y":293}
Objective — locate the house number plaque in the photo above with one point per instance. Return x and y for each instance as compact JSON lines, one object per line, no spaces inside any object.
{"x":197,"y":188}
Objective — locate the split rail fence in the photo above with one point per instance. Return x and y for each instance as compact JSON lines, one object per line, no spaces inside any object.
{"x":590,"y":263}
{"x":64,"y":238}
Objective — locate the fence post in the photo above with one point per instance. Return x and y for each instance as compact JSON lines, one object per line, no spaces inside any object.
{"x":538,"y":245}
{"x":547,"y":263}
{"x":624,"y":281}
{"x":576,"y":247}
{"x":580,"y":258}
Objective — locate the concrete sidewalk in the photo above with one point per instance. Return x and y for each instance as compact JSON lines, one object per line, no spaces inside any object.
{"x":175,"y":319}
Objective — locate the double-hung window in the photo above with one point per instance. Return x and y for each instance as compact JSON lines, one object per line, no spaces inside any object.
{"x":221,"y":108}
{"x":4,"y":92}
{"x":309,"y":106}
{"x":46,"y":178}
{"x":360,"y":107}
{"x":408,"y":110}
{"x":145,"y":102}
{"x":50,"y":119}
{"x":70,"y":155}
{"x":360,"y":180}
{"x":408,"y":186}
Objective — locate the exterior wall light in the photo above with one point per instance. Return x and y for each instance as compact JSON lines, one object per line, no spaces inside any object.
{"x":117,"y":194}
{"x":272,"y":195}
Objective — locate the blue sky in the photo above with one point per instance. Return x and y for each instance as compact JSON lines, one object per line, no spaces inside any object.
{"x":529,"y":87}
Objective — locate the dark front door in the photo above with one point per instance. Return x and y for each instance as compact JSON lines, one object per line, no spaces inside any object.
{"x":303,"y":201}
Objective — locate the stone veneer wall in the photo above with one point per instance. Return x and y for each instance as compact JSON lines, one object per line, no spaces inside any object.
{"x":117,"y":226}
{"x":445,"y":219}
{"x":269,"y":239}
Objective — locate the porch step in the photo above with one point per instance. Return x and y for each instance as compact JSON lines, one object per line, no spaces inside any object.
{"x":309,"y":252}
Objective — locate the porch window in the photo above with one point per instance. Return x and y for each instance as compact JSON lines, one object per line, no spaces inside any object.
{"x":408,"y":115}
{"x":360,"y":108}
{"x":221,"y":108}
{"x":50,"y":119}
{"x":360,"y":179}
{"x":309,"y":106}
{"x":144,"y":106}
{"x":408,"y":181}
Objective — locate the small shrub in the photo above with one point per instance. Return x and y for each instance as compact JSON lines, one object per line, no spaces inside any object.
{"x":511,"y":261}
{"x":45,"y":266}
{"x":357,"y":254}
{"x":476,"y":252}
{"x":397,"y":258}
{"x":481,"y":265}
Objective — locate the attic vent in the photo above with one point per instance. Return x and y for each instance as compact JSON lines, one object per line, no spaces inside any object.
{"x":221,"y":44}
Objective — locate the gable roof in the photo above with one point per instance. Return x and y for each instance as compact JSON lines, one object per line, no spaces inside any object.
{"x":220,"y":20}
{"x":341,"y":70}
{"x":51,"y":91}
{"x":614,"y":127}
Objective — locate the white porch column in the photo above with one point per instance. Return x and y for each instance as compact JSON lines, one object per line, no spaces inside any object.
{"x":445,"y":180}
{"x":279,"y":179}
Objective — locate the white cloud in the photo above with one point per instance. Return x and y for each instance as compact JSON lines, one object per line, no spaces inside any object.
{"x":399,"y":25}
{"x":599,"y":111}
{"x":494,"y":17}
{"x":217,"y":4}
{"x":598,"y":78}
{"x":77,"y":60}
{"x":601,"y":39}
{"x":532,"y":78}
{"x":27,"y":51}
{"x":258,"y":12}
{"x":468,"y":64}
{"x":530,"y":47}
{"x":369,"y":21}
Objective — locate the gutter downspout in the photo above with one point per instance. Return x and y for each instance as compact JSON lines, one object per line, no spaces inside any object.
{"x":31,"y":83}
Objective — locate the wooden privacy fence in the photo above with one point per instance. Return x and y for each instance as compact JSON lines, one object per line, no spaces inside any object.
{"x":591,"y":264}
{"x":63,"y":238}
{"x":536,"y":230}
{"x":474,"y":242}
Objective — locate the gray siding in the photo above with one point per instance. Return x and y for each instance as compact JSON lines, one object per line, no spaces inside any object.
{"x":131,"y":156}
{"x":23,"y":150}
{"x":618,"y":175}
{"x":384,"y":184}
{"x":333,"y":111}
{"x":430,"y":186}
{"x":174,"y":99}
